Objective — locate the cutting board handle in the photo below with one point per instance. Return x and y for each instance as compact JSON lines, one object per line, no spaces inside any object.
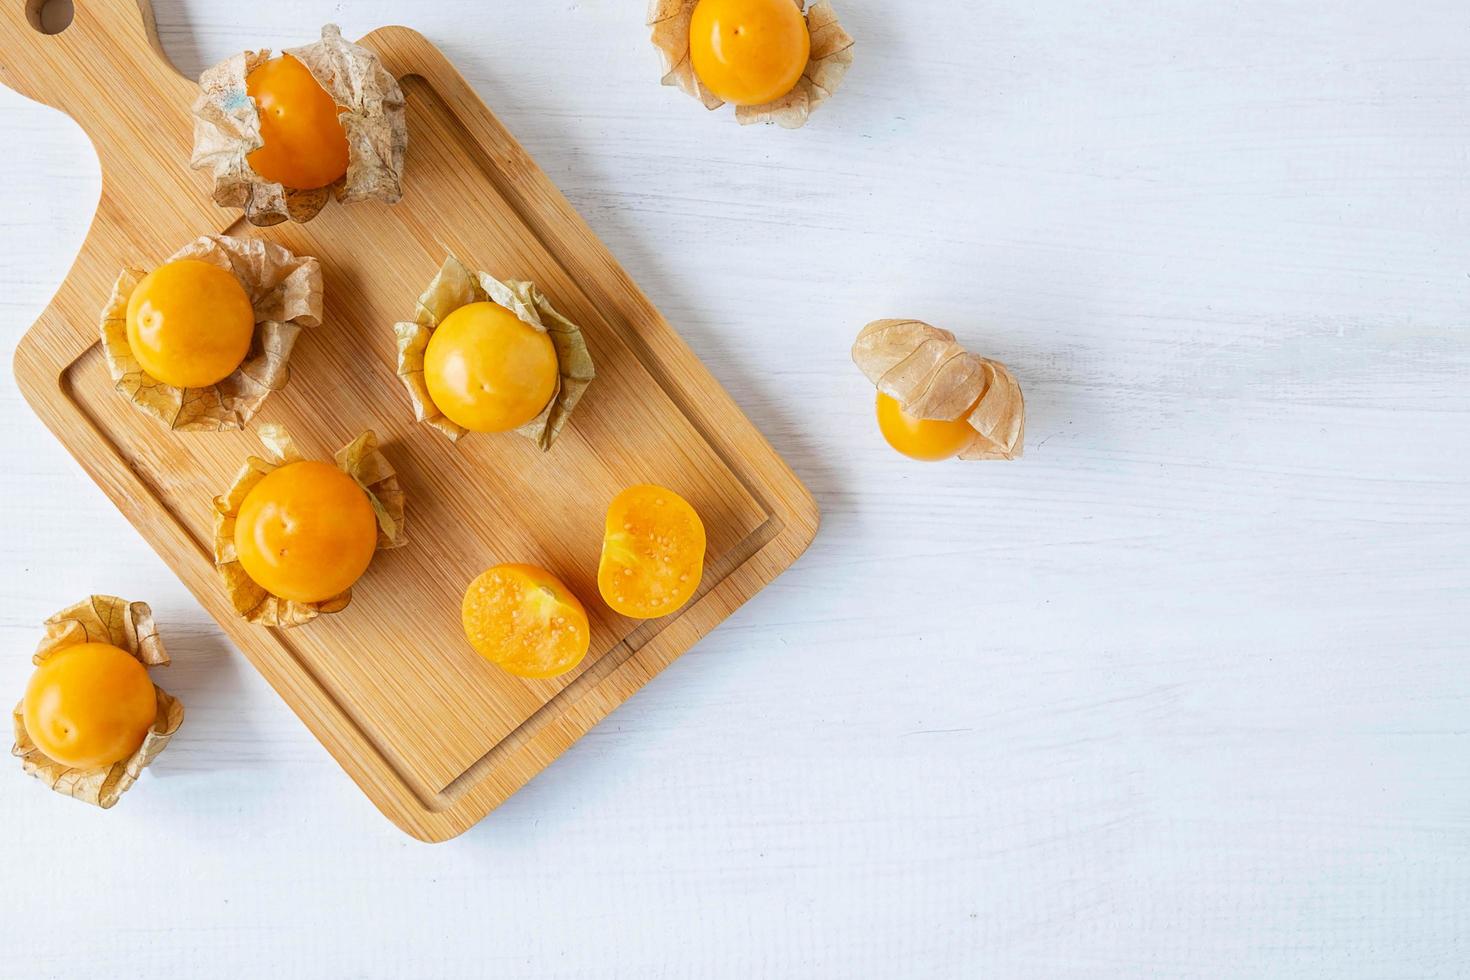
{"x":111,"y":43}
{"x":107,"y":71}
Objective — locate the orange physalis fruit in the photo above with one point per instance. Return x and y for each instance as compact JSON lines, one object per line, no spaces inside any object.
{"x":749,"y":52}
{"x":189,"y":323}
{"x":89,"y":705}
{"x":652,"y":552}
{"x":306,"y":532}
{"x":525,"y":620}
{"x":489,"y":370}
{"x":927,"y":439}
{"x":305,"y":145}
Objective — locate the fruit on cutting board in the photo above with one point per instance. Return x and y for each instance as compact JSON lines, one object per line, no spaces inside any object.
{"x":292,"y":536}
{"x":305,"y":145}
{"x":525,"y":620}
{"x":488,"y":370}
{"x":652,"y":552}
{"x":930,"y":440}
{"x":89,"y":705}
{"x":749,"y":52}
{"x":187,"y":343}
{"x":189,"y":323}
{"x":485,"y":355}
{"x":323,"y":120}
{"x":306,"y":532}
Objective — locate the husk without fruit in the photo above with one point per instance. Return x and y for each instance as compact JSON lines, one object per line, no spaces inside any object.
{"x":359,"y":459}
{"x":286,"y":294}
{"x":831,"y":56}
{"x":128,"y":625}
{"x":456,"y":285}
{"x":227,"y":130}
{"x":931,"y":376}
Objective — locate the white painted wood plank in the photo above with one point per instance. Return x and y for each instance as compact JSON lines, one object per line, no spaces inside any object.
{"x":1185,"y":693}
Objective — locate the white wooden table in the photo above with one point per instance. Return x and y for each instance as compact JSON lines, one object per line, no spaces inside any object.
{"x":1184,"y":693}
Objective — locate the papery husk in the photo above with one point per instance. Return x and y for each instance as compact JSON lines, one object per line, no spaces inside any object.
{"x":831,"y":56}
{"x":227,"y":130}
{"x":128,"y":625}
{"x":359,"y":459}
{"x":669,"y":23}
{"x":456,"y":285}
{"x":286,"y":295}
{"x":931,"y":376}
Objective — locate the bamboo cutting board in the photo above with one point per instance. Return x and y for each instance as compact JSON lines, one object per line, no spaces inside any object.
{"x":434,"y":735}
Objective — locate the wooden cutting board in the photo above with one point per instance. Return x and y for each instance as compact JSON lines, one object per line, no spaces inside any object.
{"x":436,"y":736}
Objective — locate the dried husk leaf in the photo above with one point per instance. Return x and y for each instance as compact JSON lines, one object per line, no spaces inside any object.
{"x":359,"y":459}
{"x":456,"y":285}
{"x":831,"y":56}
{"x":286,"y":294}
{"x":931,"y":376}
{"x":227,"y":130}
{"x":669,"y":21}
{"x":128,"y":625}
{"x":999,"y":420}
{"x":365,"y":463}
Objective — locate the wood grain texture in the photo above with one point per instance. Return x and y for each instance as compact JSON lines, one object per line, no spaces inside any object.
{"x":1183,"y":693}
{"x":435,"y":735}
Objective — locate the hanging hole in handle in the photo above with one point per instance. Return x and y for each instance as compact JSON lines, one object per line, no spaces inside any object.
{"x":49,"y":16}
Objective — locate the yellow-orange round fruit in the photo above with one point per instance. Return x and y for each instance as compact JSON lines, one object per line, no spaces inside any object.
{"x":927,"y":439}
{"x":488,"y":370}
{"x":652,"y":552}
{"x":89,"y":705}
{"x":304,"y":145}
{"x":306,"y":532}
{"x":749,"y":52}
{"x":189,"y":323}
{"x":525,"y":620}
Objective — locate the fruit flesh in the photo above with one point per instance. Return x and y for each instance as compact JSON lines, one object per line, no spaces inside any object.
{"x":652,"y":552}
{"x":89,"y":705}
{"x":189,"y":323}
{"x":929,"y":440}
{"x":525,"y":620}
{"x":306,"y":532}
{"x":489,"y":371}
{"x":305,"y":146}
{"x":749,"y":52}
